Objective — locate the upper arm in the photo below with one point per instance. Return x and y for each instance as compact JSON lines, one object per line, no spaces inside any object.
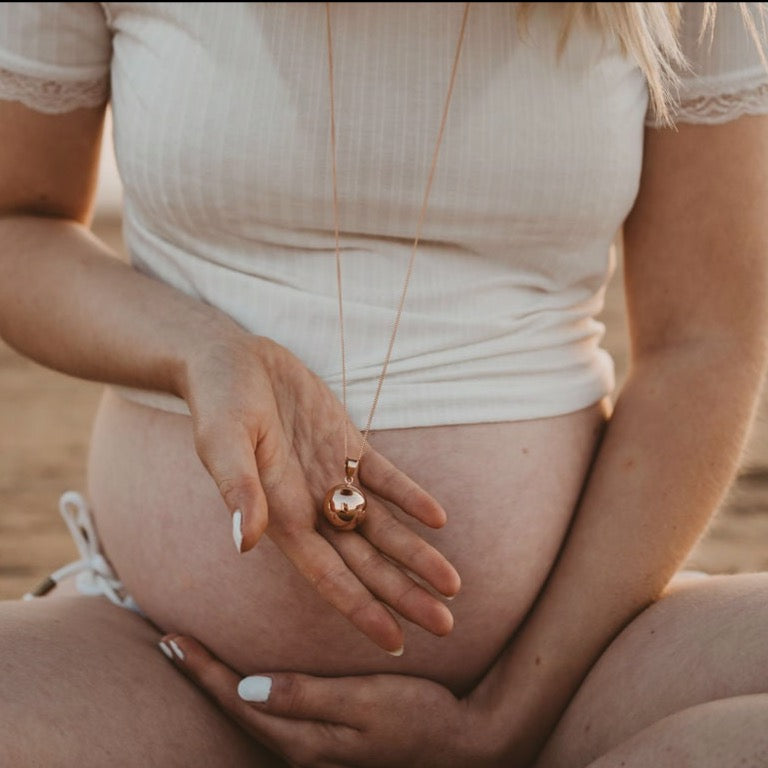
{"x":696,"y":241}
{"x":54,"y":75}
{"x":48,"y":163}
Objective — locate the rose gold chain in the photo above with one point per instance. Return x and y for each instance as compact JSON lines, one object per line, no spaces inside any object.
{"x":422,"y":216}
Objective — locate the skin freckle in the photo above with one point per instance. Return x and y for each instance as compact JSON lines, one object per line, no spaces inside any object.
{"x":538,"y":661}
{"x":524,"y":450}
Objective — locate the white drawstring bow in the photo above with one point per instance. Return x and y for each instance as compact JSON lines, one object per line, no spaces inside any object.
{"x":94,"y":575}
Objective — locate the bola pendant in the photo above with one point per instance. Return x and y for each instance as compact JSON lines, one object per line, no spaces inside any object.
{"x":344,"y":505}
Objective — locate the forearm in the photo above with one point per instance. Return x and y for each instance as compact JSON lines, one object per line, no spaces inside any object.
{"x":668,"y":455}
{"x":66,"y":302}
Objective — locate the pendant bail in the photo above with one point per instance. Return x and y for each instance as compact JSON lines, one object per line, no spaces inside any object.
{"x":350,"y":470}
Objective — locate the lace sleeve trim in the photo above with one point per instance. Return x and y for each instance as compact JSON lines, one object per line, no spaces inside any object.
{"x":713,"y":107}
{"x":53,"y":96}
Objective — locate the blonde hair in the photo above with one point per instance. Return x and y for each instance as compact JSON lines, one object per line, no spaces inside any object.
{"x":649,"y":33}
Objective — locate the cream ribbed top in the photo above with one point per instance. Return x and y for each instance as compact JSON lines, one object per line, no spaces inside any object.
{"x":221,"y":122}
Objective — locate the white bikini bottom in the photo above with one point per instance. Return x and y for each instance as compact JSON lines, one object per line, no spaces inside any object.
{"x":92,"y":573}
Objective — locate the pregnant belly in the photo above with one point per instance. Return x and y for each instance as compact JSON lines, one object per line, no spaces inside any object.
{"x":509,"y":490}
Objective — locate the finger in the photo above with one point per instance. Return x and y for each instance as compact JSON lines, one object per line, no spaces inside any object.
{"x":398,"y":542}
{"x":303,"y":742}
{"x":339,"y":700}
{"x":227,"y":451}
{"x":324,"y":568}
{"x":217,"y":679}
{"x":387,"y":481}
{"x":388,"y":582}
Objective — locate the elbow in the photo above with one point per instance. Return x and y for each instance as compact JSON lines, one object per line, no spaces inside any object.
{"x":735,"y":359}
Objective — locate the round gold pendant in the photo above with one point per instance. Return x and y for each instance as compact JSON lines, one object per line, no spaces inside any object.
{"x":344,"y":507}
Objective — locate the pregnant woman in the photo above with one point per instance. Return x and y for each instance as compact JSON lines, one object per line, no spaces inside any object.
{"x":280,"y":163}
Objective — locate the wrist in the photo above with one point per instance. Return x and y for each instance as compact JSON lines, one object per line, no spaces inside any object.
{"x":217,"y":346}
{"x":520,"y":701}
{"x":492,"y":721}
{"x":225,"y":358}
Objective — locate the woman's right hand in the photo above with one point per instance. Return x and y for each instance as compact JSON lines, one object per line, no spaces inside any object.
{"x":270,"y":433}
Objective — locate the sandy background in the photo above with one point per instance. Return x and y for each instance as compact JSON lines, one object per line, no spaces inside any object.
{"x":45,"y":420}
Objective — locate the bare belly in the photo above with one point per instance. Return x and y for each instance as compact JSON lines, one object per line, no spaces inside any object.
{"x":509,"y":490}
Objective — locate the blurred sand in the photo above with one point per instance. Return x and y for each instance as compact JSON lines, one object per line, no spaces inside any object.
{"x":44,"y":425}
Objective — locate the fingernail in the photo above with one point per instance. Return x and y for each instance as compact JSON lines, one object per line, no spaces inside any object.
{"x":398,"y":652}
{"x":255,"y":688}
{"x":175,"y":648}
{"x":165,"y":649}
{"x":237,"y":530}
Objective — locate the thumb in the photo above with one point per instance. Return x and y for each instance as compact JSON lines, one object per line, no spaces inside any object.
{"x":228,"y":454}
{"x":304,"y":697}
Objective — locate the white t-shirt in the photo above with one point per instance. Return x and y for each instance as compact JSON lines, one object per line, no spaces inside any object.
{"x":221,"y":128}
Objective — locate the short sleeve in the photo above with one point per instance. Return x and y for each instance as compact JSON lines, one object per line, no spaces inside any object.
{"x":727,"y":76}
{"x":54,"y":57}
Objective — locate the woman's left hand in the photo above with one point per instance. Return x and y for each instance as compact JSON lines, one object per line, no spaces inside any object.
{"x":373,"y":721}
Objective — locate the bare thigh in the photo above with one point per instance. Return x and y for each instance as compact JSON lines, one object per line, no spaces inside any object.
{"x":704,"y":641}
{"x":83,"y":683}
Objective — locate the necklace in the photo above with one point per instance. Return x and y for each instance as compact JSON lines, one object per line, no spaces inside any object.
{"x":345,"y":504}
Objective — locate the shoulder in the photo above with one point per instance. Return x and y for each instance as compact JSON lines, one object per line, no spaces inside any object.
{"x":54,"y":57}
{"x":725,"y":74}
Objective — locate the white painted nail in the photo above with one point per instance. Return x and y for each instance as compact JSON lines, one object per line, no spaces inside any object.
{"x":165,"y":649}
{"x":255,"y":688}
{"x":237,"y":529}
{"x":175,"y":647}
{"x":398,"y":652}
